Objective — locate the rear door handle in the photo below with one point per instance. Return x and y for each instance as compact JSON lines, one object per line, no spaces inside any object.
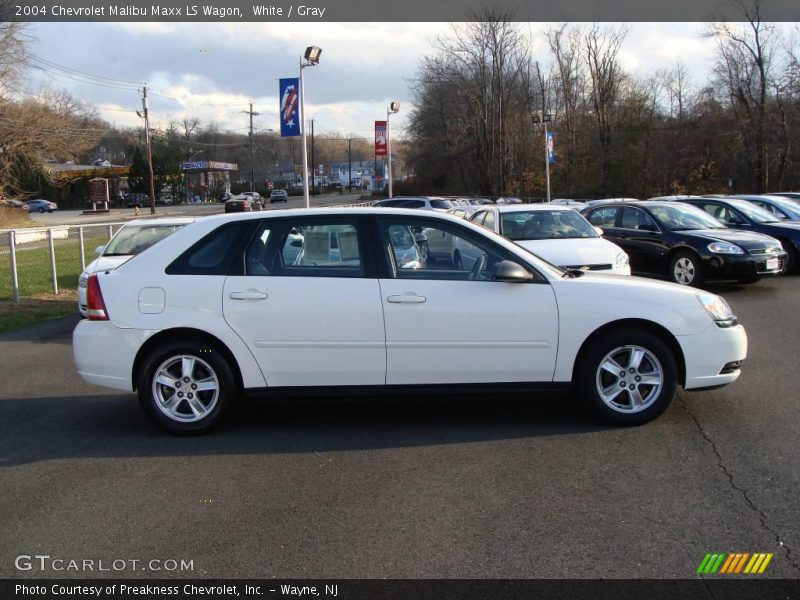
{"x":407,"y":298}
{"x":248,"y":295}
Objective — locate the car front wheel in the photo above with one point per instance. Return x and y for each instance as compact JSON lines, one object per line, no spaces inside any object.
{"x":186,"y":387}
{"x":627,"y":378}
{"x":686,"y":269}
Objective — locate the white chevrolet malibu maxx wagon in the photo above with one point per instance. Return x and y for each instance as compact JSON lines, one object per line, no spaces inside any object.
{"x":337,"y":299}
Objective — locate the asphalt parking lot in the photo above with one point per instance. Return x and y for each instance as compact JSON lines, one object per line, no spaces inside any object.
{"x":422,"y":487}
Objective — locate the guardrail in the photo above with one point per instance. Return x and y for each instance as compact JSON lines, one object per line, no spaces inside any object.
{"x":41,"y":260}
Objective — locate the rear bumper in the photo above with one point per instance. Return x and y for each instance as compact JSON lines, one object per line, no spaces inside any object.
{"x":709,"y":356}
{"x":104,"y":354}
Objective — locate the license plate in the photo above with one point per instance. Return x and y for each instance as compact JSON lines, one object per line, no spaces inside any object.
{"x":773,"y":263}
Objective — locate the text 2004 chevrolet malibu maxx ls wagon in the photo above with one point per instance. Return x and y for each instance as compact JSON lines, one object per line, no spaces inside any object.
{"x":342,"y":298}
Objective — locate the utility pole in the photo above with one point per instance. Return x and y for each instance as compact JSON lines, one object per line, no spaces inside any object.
{"x":149,"y":151}
{"x":313,"y":164}
{"x":252,"y":148}
{"x":349,"y":165}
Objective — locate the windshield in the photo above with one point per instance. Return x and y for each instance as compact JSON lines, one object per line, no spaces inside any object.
{"x":790,"y":208}
{"x":753,"y":212}
{"x":545,"y":225}
{"x":133,"y":239}
{"x":683,"y":217}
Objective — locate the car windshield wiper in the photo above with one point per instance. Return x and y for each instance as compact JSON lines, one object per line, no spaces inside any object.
{"x":117,"y":254}
{"x":572,"y":273}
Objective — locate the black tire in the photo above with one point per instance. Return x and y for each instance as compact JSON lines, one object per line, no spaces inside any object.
{"x":591,"y":377}
{"x":41,"y":210}
{"x":208,"y":361}
{"x":686,"y":268}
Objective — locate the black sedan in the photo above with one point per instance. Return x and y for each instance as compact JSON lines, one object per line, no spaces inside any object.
{"x":242,"y":203}
{"x":685,"y":244}
{"x":740,"y":214}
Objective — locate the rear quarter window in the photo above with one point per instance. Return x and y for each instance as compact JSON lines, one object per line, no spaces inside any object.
{"x":216,"y":252}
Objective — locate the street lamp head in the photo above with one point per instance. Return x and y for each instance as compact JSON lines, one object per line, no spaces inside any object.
{"x":312,"y":54}
{"x":394,"y":107}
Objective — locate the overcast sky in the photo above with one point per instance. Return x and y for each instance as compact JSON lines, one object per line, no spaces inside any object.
{"x":212,"y":70}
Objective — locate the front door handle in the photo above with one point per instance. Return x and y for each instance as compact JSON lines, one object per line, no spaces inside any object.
{"x":248,"y":295}
{"x":407,"y":298}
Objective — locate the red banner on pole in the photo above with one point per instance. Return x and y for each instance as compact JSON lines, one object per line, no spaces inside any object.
{"x":380,"y":138}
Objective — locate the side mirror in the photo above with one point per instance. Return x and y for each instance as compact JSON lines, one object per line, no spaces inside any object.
{"x":99,"y":250}
{"x":599,"y":231}
{"x":511,"y":272}
{"x":420,"y":238}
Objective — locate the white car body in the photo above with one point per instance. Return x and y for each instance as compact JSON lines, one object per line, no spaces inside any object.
{"x":108,"y":263}
{"x":281,"y":332}
{"x":592,"y":253}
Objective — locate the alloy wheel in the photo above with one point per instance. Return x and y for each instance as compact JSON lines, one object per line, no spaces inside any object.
{"x":629,"y":379}
{"x":185,"y":388}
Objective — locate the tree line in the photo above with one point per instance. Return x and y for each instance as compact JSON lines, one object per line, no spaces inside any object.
{"x":471,"y":131}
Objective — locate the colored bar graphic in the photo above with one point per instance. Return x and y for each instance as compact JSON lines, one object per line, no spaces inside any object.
{"x":734,"y":563}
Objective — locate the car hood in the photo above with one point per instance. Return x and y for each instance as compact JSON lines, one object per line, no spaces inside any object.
{"x":107,"y":263}
{"x":749,"y":240}
{"x":574,"y":252}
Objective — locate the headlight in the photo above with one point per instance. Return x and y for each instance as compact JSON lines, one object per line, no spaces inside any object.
{"x":83,"y":279}
{"x":718,"y":310}
{"x":621,"y":260}
{"x":724,"y":248}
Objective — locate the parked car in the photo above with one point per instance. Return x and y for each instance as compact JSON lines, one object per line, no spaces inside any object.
{"x":555,"y":233}
{"x":783,"y":208}
{"x":416,"y":202}
{"x":40,"y":205}
{"x":278,"y":196}
{"x":131,"y":239}
{"x":137,"y":200}
{"x":684,"y":244}
{"x":242,"y":203}
{"x":198,"y":323}
{"x":742,"y":215}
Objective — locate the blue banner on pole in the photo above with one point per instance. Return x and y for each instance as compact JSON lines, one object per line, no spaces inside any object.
{"x":551,"y":153}
{"x":289,"y":92}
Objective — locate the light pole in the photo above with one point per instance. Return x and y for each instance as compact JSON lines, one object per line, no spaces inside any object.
{"x":394,"y":107}
{"x":544,"y":119}
{"x":311,"y":58}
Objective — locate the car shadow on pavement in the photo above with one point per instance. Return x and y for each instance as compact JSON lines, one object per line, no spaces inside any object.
{"x":114,"y":426}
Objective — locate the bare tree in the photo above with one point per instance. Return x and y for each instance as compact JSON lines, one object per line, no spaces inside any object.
{"x":744,"y":70}
{"x":601,"y":47}
{"x":13,"y":55}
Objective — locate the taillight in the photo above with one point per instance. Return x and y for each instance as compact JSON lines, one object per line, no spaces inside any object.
{"x":95,"y":305}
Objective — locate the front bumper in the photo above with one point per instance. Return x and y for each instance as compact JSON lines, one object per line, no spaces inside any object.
{"x":743,"y":266}
{"x":709,"y":356}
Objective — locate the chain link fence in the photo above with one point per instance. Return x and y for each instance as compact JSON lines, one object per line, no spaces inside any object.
{"x":41,"y":261}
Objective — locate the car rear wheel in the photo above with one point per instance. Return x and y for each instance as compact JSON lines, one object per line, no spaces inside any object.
{"x":686,"y":269}
{"x":186,"y":387}
{"x":627,"y":378}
